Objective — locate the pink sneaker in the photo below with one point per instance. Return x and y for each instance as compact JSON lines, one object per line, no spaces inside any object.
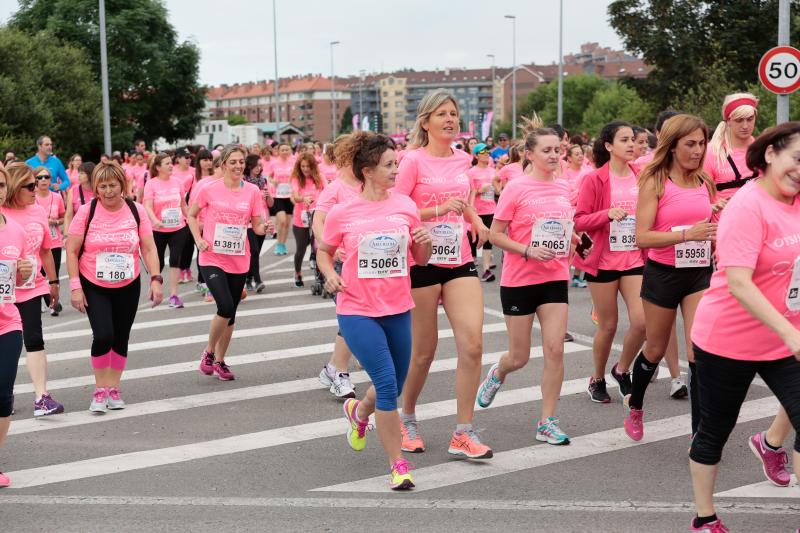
{"x":712,"y":527}
{"x":634,"y":421}
{"x":207,"y":363}
{"x":115,"y":399}
{"x":772,"y":462}
{"x":5,"y":481}
{"x":223,"y":371}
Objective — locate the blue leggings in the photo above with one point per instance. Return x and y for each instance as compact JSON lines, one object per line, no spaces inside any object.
{"x":383,"y":347}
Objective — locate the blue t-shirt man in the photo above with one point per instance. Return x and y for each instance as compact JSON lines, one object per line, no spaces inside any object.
{"x":501,"y":149}
{"x":44,"y":158}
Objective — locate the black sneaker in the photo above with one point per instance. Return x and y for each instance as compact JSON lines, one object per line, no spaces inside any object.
{"x":487,"y":276}
{"x":623,"y":380}
{"x":298,"y":282}
{"x":568,"y":337}
{"x":597,"y":391}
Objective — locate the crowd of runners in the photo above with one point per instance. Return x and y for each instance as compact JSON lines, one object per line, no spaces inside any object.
{"x":679,"y":217}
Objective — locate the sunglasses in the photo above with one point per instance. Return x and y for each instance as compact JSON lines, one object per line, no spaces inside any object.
{"x":30,"y":187}
{"x":483,"y":152}
{"x":43,"y":177}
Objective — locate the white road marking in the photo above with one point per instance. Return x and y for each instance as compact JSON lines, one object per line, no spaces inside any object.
{"x":764,"y":489}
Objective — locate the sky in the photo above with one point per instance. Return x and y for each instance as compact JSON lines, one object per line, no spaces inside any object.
{"x":375,"y":35}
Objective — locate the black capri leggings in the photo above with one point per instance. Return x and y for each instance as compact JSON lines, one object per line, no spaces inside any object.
{"x":57,"y":260}
{"x":10,"y":349}
{"x":256,"y":242}
{"x":31,"y":314}
{"x":302,"y":238}
{"x":723,"y":385}
{"x":187,"y":252}
{"x":175,"y":240}
{"x":111,"y":314}
{"x":226,"y":289}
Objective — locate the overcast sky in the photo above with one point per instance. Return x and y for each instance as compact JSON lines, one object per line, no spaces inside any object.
{"x":236,"y":41}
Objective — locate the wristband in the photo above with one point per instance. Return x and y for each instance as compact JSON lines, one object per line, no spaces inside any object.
{"x":53,"y":282}
{"x":683,"y":234}
{"x":525,"y":253}
{"x":157,"y":278}
{"x":74,"y":284}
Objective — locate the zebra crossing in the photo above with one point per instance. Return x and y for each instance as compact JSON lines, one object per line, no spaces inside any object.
{"x":274,"y":438}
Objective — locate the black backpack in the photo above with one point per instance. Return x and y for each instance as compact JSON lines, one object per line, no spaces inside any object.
{"x":92,"y":209}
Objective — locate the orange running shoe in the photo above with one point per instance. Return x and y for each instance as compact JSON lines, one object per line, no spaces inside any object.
{"x":468,"y":444}
{"x":412,"y":442}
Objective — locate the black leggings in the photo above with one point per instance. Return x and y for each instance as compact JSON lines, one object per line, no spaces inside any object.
{"x":111,"y":314}
{"x":175,"y":240}
{"x":10,"y":349}
{"x":31,"y":314}
{"x":723,"y":385}
{"x":57,"y":260}
{"x":302,"y":238}
{"x":256,"y":241}
{"x":226,"y":289}
{"x":187,"y":252}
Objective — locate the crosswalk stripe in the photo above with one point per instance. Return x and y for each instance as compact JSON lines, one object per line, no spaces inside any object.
{"x":210,"y":305}
{"x":126,"y":462}
{"x":764,"y":489}
{"x":77,"y":418}
{"x":453,"y":473}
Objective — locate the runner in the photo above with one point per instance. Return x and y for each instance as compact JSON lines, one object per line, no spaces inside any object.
{"x":533,"y":225}
{"x":103,"y":251}
{"x":14,"y":270}
{"x":284,"y":208}
{"x":328,"y":167}
{"x":307,"y":183}
{"x":253,"y":173}
{"x":434,"y":176}
{"x":20,"y":206}
{"x":79,"y":194}
{"x":44,"y":158}
{"x":53,"y":205}
{"x":672,"y":220}
{"x":166,"y":209}
{"x":137,"y":175}
{"x":187,"y":174}
{"x":207,"y":174}
{"x":335,"y":374}
{"x":73,"y":165}
{"x":727,"y":149}
{"x":512,"y":168}
{"x":747,"y":322}
{"x":640,"y":140}
{"x":227,"y":205}
{"x":377,"y":232}
{"x":606,"y":211}
{"x":573,"y":173}
{"x":482,"y":201}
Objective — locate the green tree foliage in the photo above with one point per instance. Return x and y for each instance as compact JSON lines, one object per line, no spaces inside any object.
{"x":347,"y":121}
{"x":153,"y":79}
{"x":615,"y":102}
{"x":46,"y":88}
{"x":236,"y":120}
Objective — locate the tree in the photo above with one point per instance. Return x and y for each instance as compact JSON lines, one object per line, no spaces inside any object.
{"x":615,"y":102}
{"x":578,"y":93}
{"x":46,"y":88}
{"x":153,"y":79}
{"x":236,"y":120}
{"x":347,"y":121}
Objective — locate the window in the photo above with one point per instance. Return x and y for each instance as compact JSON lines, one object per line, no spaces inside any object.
{"x":398,"y":93}
{"x":385,"y":93}
{"x":386,"y":115}
{"x":386,"y":104}
{"x":398,"y":103}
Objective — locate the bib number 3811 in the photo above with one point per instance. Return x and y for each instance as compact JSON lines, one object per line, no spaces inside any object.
{"x":229,"y":239}
{"x":554,"y":234}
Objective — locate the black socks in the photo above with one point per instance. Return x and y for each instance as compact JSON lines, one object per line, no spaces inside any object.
{"x":700,"y":521}
{"x":643,"y":370}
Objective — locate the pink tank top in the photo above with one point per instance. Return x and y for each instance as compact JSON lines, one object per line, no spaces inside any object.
{"x":678,"y":207}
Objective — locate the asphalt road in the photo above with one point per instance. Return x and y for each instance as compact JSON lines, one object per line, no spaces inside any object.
{"x":267,"y":452}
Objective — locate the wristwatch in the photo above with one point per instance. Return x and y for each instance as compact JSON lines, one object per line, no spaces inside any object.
{"x":157,"y":278}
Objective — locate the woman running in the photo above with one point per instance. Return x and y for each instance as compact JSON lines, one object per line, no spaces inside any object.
{"x":607,"y":212}
{"x":307,"y":183}
{"x":481,"y":199}
{"x":203,"y":168}
{"x":166,"y":208}
{"x":79,"y":194}
{"x":227,"y":206}
{"x":435,"y":177}
{"x":328,"y":167}
{"x":21,"y":207}
{"x":512,"y":168}
{"x":377,"y":232}
{"x":74,"y":163}
{"x":282,"y":167}
{"x":207,"y":168}
{"x":103,"y":250}
{"x":533,"y":225}
{"x":672,"y":220}
{"x":53,"y":205}
{"x":253,"y":173}
{"x":14,"y":270}
{"x":748,"y":321}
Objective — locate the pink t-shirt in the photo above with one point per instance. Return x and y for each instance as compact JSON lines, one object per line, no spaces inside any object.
{"x":76,"y":197}
{"x":73,"y":176}
{"x":135,"y":173}
{"x":337,"y":192}
{"x":760,"y":233}
{"x":574,"y":178}
{"x":33,"y":220}
{"x":12,"y":246}
{"x":111,"y":232}
{"x":186,"y":177}
{"x":329,"y":171}
{"x":225,"y":223}
{"x":643,"y":161}
{"x":624,"y":194}
{"x":166,"y":194}
{"x":281,"y":175}
{"x":345,"y":227}
{"x":53,"y":205}
{"x":509,"y":172}
{"x":479,"y":178}
{"x":431,"y":181}
{"x":723,"y":173}
{"x":309,"y":190}
{"x":678,"y":207}
{"x":204,"y":182}
{"x":524,"y":201}
{"x":266,"y":167}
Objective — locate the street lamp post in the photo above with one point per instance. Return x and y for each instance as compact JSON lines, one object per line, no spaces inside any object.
{"x":275,"y":47}
{"x":493,"y":78}
{"x":361,"y":98}
{"x":104,"y":80}
{"x":513,"y":73}
{"x":560,"y":62}
{"x":333,"y":93}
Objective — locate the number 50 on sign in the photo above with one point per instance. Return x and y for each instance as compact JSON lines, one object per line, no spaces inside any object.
{"x":779,"y":70}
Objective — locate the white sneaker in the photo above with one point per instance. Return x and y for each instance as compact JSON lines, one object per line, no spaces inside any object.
{"x":99,"y":401}
{"x":342,"y":387}
{"x":327,"y":375}
{"x":114,"y":399}
{"x":678,"y":389}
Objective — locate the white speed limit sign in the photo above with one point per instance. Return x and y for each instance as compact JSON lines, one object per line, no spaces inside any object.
{"x":779,"y":70}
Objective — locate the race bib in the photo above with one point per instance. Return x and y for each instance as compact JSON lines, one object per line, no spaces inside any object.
{"x":8,"y":282}
{"x":171,"y":217}
{"x":793,"y":294}
{"x":691,"y":254}
{"x":31,"y":281}
{"x":305,"y":218}
{"x":54,"y":232}
{"x":113,"y":267}
{"x":283,"y":190}
{"x":554,"y":234}
{"x":488,"y":196}
{"x":229,"y":239}
{"x":622,"y":235}
{"x":383,"y":255}
{"x":446,"y":242}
